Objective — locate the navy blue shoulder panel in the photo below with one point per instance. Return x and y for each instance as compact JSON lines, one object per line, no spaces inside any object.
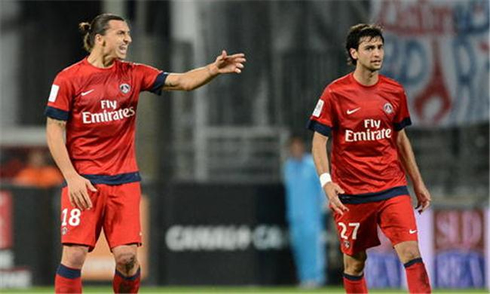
{"x":404,"y":123}
{"x":56,"y":113}
{"x":318,"y":127}
{"x":159,"y":82}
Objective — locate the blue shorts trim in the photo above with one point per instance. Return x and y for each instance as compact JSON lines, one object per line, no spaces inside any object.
{"x":56,"y":113}
{"x":112,"y":180}
{"x":374,"y":197}
{"x":318,"y":127}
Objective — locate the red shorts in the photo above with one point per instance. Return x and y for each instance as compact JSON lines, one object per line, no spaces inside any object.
{"x":357,"y":228}
{"x":116,"y":208}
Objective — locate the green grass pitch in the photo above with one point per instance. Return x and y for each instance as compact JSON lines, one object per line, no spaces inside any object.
{"x":230,"y":290}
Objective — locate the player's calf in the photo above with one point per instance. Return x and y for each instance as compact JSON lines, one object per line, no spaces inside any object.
{"x":353,"y":276}
{"x":67,"y":278}
{"x":128,"y":272}
{"x":417,"y":277}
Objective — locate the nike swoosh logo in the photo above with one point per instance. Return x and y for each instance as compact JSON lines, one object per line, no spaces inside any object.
{"x":351,"y":111}
{"x":88,"y":92}
{"x":412,"y":231}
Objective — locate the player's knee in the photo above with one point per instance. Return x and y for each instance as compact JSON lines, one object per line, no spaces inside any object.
{"x":126,"y":261}
{"x":74,"y":257}
{"x":355,"y":266}
{"x":409,"y":253}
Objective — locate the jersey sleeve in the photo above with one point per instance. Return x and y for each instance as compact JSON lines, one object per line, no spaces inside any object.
{"x":60,"y":98}
{"x":152,"y":79}
{"x":402,"y":117}
{"x":322,"y":118}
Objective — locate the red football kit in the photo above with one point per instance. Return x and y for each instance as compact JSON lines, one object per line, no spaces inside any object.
{"x":363,"y":122}
{"x":99,"y":106}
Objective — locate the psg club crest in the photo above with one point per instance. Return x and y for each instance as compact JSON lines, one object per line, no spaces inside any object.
{"x":388,"y":108}
{"x":125,"y":88}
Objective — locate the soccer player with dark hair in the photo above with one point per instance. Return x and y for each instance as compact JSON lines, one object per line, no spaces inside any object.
{"x":94,"y":102}
{"x":365,"y":113}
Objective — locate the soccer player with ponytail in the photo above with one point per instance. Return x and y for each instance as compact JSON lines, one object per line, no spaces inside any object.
{"x":93,"y":104}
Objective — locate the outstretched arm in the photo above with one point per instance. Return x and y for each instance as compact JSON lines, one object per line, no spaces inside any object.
{"x":200,"y":76}
{"x":77,"y":185}
{"x":408,"y":160}
{"x":332,"y":190}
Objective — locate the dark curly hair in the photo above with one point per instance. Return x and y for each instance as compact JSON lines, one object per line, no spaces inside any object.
{"x":356,"y":33}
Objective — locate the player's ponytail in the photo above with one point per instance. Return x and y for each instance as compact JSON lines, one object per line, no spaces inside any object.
{"x":84,"y":28}
{"x":98,"y":25}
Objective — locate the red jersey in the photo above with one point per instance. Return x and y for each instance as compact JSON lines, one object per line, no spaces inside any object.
{"x":99,"y":106}
{"x":363,"y":122}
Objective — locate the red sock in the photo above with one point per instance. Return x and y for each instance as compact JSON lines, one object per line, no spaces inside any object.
{"x":67,"y":280}
{"x":122,"y":284}
{"x":355,"y":284}
{"x":417,"y":278}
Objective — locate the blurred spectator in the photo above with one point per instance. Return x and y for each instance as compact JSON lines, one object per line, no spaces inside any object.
{"x":304,"y":204}
{"x":38,"y":172}
{"x":10,"y":163}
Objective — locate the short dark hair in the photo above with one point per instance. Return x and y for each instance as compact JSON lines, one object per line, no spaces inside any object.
{"x":98,"y":25}
{"x":356,"y":33}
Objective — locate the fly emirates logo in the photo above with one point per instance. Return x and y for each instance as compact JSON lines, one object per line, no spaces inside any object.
{"x":372,"y":132}
{"x":109,"y":113}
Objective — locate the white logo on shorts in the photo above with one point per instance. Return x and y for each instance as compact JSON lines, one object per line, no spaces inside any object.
{"x":64,"y":230}
{"x":412,"y":231}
